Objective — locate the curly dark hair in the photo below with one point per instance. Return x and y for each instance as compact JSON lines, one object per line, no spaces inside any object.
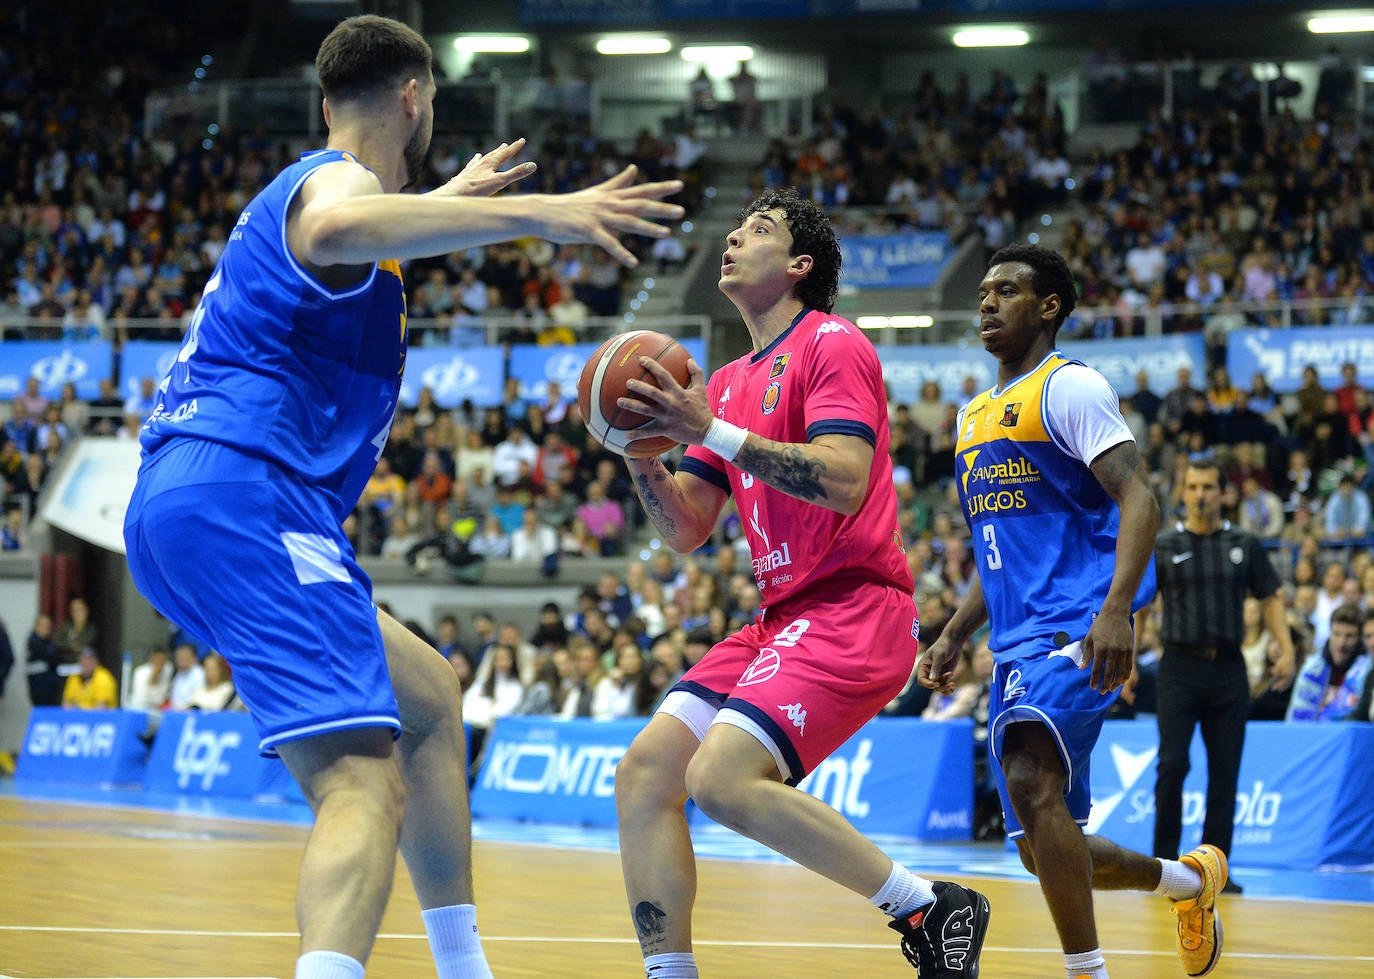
{"x":811,"y":235}
{"x":1050,"y":275}
{"x":364,"y":55}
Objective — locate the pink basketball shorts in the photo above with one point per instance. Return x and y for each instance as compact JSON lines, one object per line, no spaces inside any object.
{"x":806,"y":675}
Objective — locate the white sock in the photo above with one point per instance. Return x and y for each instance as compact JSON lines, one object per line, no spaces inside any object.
{"x":1178,"y":881}
{"x":671,"y":965}
{"x":1089,"y":964}
{"x":328,"y":965}
{"x":454,"y":943}
{"x":904,"y":892}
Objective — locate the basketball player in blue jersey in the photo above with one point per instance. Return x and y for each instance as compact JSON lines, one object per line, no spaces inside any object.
{"x":264,"y":433}
{"x":1063,"y":523}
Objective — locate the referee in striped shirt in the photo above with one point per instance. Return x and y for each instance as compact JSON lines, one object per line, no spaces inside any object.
{"x":1206,"y":567}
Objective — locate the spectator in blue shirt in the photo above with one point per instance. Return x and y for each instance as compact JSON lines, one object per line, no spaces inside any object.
{"x":1330,"y":682}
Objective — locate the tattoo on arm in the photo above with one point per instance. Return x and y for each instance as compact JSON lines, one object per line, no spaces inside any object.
{"x":653,"y":503}
{"x":649,"y":926}
{"x":786,"y":467}
{"x":1117,"y":467}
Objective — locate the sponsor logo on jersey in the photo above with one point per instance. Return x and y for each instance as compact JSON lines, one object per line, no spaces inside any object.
{"x":1010,"y":414}
{"x":998,"y":502}
{"x":720,"y":405}
{"x":1019,"y":470}
{"x":779,"y":365}
{"x":831,"y":326}
{"x":771,"y":395}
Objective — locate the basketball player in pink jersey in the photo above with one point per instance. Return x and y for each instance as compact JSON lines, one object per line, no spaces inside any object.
{"x":796,"y":431}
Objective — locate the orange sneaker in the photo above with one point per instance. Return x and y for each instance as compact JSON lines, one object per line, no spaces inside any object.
{"x":1199,"y":925}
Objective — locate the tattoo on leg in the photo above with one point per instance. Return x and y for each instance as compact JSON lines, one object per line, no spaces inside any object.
{"x":787,"y":468}
{"x":649,"y":926}
{"x":653,"y":506}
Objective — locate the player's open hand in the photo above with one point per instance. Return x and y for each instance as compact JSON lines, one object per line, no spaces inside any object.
{"x":613,"y":207}
{"x":935,"y":668}
{"x":483,"y":175}
{"x":1109,"y":649}
{"x":681,"y":413}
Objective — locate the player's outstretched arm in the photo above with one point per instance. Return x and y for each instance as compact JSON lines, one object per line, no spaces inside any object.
{"x":1109,"y":645}
{"x":683,"y":508}
{"x":343,"y":217}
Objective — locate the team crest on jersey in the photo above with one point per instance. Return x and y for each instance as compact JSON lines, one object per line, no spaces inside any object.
{"x":779,"y":365}
{"x":1010,"y":415}
{"x":771,"y":396}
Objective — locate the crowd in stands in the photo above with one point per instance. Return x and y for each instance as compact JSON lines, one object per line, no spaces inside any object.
{"x":944,"y":158}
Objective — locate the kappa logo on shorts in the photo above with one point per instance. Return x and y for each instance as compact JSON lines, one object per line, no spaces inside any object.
{"x":765,"y":666}
{"x":797,"y":715}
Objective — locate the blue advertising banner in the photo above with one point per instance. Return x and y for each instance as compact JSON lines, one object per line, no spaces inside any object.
{"x":536,"y":366}
{"x":902,"y":261}
{"x":552,"y":771}
{"x":900,"y":776}
{"x":84,"y":364}
{"x":1302,"y":801}
{"x":896,"y":776}
{"x":197,"y":753}
{"x":1282,"y":354}
{"x":144,"y":358}
{"x":906,"y":368}
{"x":86,"y":746}
{"x":453,"y":374}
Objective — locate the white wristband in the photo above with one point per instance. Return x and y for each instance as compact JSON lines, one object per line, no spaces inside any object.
{"x":724,"y":439}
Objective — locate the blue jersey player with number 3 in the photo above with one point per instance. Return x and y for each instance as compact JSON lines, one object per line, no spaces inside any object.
{"x":1063,"y":523}
{"x":265,"y":431}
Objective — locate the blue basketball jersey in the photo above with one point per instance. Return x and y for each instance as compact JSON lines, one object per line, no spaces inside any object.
{"x":1043,"y":528}
{"x":278,"y":366}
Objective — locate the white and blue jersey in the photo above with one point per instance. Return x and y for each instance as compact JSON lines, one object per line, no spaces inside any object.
{"x":265,"y":431}
{"x":1045,"y":535}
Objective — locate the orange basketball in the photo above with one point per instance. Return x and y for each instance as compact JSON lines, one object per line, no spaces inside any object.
{"x":602,"y":384}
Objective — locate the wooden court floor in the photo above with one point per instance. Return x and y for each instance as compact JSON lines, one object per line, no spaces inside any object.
{"x":92,"y":892}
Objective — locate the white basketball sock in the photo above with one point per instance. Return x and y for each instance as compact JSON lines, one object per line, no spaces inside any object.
{"x":454,"y":942}
{"x":671,"y":965}
{"x":1178,"y":881}
{"x":1085,"y":965}
{"x":328,"y":965}
{"x":903,"y":892}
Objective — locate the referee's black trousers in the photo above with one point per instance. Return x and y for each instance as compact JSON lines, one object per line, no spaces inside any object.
{"x":1215,"y":695}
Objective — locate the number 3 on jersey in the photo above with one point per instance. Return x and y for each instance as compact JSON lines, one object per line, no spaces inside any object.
{"x":994,"y":555}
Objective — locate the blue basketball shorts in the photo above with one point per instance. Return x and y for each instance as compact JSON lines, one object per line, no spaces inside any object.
{"x":249,"y":558}
{"x":1049,"y":689}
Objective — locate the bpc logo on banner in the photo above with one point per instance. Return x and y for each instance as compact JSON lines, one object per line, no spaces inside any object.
{"x":200,"y":754}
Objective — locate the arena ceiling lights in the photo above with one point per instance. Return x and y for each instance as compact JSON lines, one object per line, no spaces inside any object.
{"x":716,"y":53}
{"x":1342,"y":22}
{"x":997,"y":36}
{"x":895,"y":322}
{"x":633,"y":44}
{"x":491,"y":44}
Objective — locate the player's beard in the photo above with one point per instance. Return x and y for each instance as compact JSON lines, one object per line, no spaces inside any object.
{"x":417,"y":148}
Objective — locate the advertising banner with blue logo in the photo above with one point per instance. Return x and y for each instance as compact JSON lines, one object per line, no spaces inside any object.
{"x":85,"y":746}
{"x":896,"y":776}
{"x":534,"y":366}
{"x":453,"y":374}
{"x":144,"y":358}
{"x":900,"y":776}
{"x":912,"y":260}
{"x":1282,"y":354}
{"x":907,"y":368}
{"x":197,"y":753}
{"x":1302,"y":802}
{"x":84,"y":364}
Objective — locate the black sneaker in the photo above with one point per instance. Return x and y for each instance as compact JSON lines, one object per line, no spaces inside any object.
{"x":944,"y":939}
